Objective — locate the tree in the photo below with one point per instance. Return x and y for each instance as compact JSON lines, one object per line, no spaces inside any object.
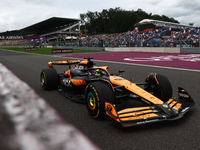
{"x":191,"y":24}
{"x":118,"y":20}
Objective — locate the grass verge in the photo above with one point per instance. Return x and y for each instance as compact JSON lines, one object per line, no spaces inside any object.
{"x":46,"y":50}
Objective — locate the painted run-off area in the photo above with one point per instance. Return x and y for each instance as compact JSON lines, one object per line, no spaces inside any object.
{"x":187,"y":61}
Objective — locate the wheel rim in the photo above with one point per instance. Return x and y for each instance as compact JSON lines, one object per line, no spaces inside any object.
{"x":91,"y":101}
{"x":42,"y":79}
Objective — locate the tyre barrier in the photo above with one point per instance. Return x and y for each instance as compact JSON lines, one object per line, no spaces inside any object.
{"x":28,"y":122}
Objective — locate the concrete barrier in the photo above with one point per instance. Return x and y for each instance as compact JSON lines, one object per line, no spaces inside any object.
{"x":144,"y":49}
{"x":27,"y":122}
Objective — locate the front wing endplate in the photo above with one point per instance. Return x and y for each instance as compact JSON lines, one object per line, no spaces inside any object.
{"x":171,"y":110}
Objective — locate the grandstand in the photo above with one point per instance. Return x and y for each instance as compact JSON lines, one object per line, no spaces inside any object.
{"x":52,"y":29}
{"x":55,"y":28}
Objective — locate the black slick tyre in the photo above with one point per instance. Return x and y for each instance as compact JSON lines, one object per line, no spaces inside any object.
{"x":96,"y":94}
{"x":160,"y":86}
{"x":49,"y":79}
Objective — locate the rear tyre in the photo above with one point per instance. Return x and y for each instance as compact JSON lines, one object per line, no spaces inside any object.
{"x":159,"y":86}
{"x":96,"y":94}
{"x":49,"y":79}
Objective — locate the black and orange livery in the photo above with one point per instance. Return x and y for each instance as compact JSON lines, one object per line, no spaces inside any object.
{"x":112,"y":96}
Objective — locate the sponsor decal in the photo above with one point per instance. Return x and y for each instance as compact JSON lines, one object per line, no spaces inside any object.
{"x":96,"y":93}
{"x":62,"y":51}
{"x":67,"y":82}
{"x":147,"y":121}
{"x":185,"y":109}
{"x":164,"y":105}
{"x":79,"y":67}
{"x":139,"y":117}
{"x":146,"y":101}
{"x":18,"y":37}
{"x":183,"y":95}
{"x":78,"y":82}
{"x":72,"y":61}
{"x":11,"y":38}
{"x":118,"y":79}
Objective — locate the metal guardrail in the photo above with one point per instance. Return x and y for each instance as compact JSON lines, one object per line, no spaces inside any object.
{"x":190,"y":50}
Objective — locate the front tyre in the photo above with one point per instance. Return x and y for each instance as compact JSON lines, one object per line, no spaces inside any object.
{"x":159,"y":86}
{"x":49,"y":79}
{"x":96,"y":94}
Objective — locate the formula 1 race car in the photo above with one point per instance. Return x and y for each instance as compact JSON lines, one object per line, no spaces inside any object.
{"x":112,"y":96}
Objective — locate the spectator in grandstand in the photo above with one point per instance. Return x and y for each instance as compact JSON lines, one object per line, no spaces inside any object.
{"x":138,"y":38}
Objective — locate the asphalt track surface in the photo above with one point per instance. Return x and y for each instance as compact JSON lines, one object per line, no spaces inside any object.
{"x":182,"y":134}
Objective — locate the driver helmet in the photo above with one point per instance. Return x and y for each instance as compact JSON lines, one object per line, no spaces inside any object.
{"x":96,"y":72}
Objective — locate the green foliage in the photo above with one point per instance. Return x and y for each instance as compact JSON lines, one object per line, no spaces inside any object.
{"x":191,"y":24}
{"x":117,"y":20}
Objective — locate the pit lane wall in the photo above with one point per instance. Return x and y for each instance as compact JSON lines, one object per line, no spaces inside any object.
{"x":28,"y":122}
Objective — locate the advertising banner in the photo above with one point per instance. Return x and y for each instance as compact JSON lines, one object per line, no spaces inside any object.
{"x":62,"y":50}
{"x":31,"y":49}
{"x":18,"y":37}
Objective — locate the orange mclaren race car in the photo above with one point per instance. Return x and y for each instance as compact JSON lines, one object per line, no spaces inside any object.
{"x":112,"y":96}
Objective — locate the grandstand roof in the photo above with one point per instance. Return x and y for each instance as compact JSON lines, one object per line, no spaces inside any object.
{"x":161,"y":23}
{"x":48,"y":25}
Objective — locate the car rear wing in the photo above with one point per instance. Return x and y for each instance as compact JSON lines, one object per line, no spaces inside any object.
{"x":86,"y":63}
{"x":63,"y":62}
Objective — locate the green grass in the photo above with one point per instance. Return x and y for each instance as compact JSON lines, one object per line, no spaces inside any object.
{"x":46,"y":50}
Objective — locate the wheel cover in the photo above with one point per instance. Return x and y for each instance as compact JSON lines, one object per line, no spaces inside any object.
{"x":91,"y":101}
